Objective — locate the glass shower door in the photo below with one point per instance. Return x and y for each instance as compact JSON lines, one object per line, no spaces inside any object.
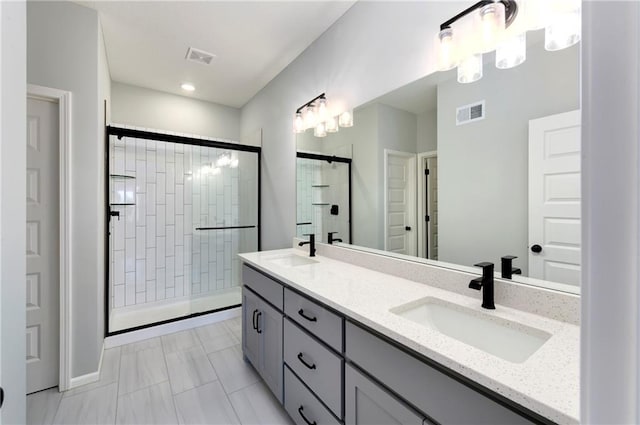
{"x":223,"y":211}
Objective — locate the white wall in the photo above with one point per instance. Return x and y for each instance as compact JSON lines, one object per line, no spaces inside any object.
{"x":610,"y":355}
{"x":363,"y":55}
{"x":63,"y":53}
{"x":483,"y":166}
{"x":104,"y":111}
{"x":13,"y":164}
{"x":148,"y":108}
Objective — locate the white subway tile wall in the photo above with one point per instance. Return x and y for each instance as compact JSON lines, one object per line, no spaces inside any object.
{"x":165,"y":191}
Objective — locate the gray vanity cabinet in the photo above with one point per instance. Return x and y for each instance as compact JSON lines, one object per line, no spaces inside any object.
{"x":367,"y":403}
{"x":262,"y":327}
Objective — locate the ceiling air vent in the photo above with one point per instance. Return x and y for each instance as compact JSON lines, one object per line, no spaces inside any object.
{"x":470,"y":113}
{"x":200,"y":56}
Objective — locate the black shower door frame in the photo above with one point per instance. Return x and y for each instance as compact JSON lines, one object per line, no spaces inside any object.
{"x":120,"y":132}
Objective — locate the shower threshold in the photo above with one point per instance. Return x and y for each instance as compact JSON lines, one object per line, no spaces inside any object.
{"x":147,"y":314}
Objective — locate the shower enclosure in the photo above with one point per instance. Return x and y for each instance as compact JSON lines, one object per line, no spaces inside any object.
{"x":323,"y":196}
{"x":179,"y":211}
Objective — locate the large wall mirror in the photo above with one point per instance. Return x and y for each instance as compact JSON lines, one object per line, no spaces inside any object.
{"x":454,"y":174}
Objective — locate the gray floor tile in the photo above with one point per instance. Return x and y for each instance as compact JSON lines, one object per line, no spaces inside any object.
{"x":205,"y":405}
{"x":232,"y":370}
{"x":151,"y":405}
{"x":142,"y":368}
{"x":234,"y":326}
{"x":96,"y":406}
{"x":256,"y":405}
{"x":180,"y":341}
{"x":216,"y":337}
{"x":42,"y":406}
{"x":189,"y":369}
{"x":108,"y":374}
{"x":141,"y":345}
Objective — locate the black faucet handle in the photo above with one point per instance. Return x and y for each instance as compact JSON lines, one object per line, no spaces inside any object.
{"x":507,"y":267}
{"x":484,"y":264}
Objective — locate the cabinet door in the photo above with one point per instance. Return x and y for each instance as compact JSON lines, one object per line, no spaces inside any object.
{"x":366,"y":403}
{"x":250,"y":337}
{"x":269,"y":323}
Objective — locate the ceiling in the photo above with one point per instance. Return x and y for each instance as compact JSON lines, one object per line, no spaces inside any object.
{"x":146,"y":42}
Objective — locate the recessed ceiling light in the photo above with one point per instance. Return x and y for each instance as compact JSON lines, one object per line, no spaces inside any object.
{"x":187,"y":87}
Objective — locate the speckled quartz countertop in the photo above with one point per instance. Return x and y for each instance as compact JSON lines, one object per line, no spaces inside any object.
{"x":546,"y":383}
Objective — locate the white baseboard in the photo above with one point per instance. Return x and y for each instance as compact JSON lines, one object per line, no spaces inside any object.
{"x":88,"y":378}
{"x":168,"y":328}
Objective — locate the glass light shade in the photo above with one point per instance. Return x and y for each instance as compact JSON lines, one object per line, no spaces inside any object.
{"x":332,"y":125}
{"x":492,"y":25}
{"x":470,"y":69}
{"x":512,"y":52}
{"x":446,"y":50}
{"x":536,"y":13}
{"x":346,"y":119}
{"x":298,"y":123}
{"x":323,"y":114}
{"x":320,"y":130}
{"x":310,"y":116}
{"x":563,"y":31}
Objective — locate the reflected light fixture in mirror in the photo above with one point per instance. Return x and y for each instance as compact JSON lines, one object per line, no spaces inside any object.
{"x":321,"y":118}
{"x":484,"y":27}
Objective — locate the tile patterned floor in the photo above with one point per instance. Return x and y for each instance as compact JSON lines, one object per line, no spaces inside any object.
{"x":196,"y":376}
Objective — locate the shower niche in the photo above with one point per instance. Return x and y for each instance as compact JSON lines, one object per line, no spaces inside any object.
{"x":179,"y":211}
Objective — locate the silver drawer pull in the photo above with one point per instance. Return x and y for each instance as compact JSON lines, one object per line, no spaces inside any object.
{"x":311,"y":319}
{"x":304,"y":417}
{"x":301,"y":358}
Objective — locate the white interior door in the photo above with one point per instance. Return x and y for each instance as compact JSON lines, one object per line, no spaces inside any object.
{"x":554,"y":198}
{"x":42,"y":243}
{"x":400,"y":202}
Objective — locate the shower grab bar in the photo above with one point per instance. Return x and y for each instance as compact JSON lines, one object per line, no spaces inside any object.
{"x":225,"y":228}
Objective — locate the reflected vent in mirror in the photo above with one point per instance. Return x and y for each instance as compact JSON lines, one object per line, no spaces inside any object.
{"x":470,"y":113}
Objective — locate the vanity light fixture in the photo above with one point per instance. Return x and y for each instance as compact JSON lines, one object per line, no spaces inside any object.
{"x":487,"y":26}
{"x":316,"y":114}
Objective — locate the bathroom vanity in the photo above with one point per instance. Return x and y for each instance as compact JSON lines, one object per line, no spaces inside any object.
{"x":339,"y":343}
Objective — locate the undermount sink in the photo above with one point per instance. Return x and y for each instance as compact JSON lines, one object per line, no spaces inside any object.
{"x":508,"y":340}
{"x":291,"y":260}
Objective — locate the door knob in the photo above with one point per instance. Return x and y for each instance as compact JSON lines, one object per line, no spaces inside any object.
{"x":536,"y":248}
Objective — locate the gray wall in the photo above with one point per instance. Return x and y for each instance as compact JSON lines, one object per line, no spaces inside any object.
{"x":343,"y":64}
{"x":13,"y":163}
{"x":62,"y":53}
{"x":483,"y":166}
{"x":428,"y":131}
{"x":148,"y":108}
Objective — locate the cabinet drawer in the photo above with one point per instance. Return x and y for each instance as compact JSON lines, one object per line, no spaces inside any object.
{"x":442,"y":398}
{"x":318,"y":320}
{"x":303,"y":407}
{"x":315,"y":364}
{"x":367,"y":403}
{"x":262,"y":285}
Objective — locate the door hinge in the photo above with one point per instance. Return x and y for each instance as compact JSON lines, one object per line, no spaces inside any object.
{"x":426,"y":172}
{"x":1,"y":396}
{"x":427,"y":218}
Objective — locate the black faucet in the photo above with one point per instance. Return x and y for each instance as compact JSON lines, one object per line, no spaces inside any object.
{"x":331,"y":239}
{"x":312,"y":244}
{"x":486,"y":284}
{"x":507,"y":267}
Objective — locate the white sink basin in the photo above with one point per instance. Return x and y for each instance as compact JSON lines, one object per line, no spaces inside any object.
{"x":291,"y":260}
{"x":508,"y":340}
